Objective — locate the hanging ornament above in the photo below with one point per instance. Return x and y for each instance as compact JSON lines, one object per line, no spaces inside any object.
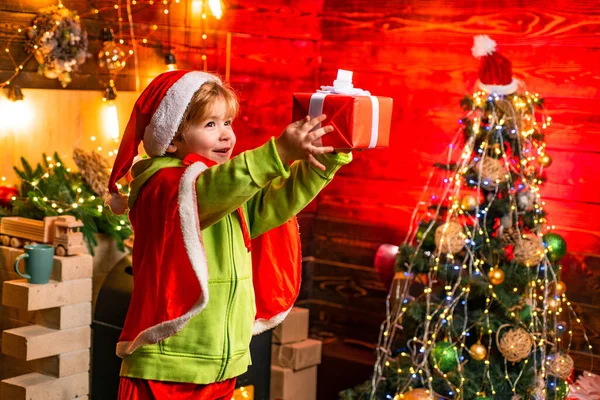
{"x":57,"y":42}
{"x":111,"y":57}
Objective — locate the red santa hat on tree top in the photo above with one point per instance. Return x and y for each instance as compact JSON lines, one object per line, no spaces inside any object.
{"x":495,"y":70}
{"x":154,"y":120}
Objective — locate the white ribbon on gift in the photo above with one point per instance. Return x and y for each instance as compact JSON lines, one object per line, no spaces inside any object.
{"x":317,"y":100}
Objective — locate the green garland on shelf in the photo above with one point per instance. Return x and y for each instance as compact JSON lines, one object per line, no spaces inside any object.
{"x":52,"y":189}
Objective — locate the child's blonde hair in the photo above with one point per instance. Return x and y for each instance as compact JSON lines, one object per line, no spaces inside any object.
{"x":200,"y":106}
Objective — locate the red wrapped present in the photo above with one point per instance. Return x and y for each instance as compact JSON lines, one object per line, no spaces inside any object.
{"x":360,"y":121}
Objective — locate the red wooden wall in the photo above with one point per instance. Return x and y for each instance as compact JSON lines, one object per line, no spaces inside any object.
{"x":419,"y":53}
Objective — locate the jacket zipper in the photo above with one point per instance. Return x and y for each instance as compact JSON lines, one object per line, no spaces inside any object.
{"x":233,"y":287}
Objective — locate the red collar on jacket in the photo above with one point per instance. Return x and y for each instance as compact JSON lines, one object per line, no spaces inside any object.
{"x":192,"y":158}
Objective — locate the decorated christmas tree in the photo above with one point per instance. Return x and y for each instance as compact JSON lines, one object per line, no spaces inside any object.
{"x":481,"y":312}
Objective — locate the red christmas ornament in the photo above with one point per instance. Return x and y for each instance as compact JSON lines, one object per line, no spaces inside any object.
{"x":7,"y":192}
{"x":509,"y":252}
{"x":385,"y":261}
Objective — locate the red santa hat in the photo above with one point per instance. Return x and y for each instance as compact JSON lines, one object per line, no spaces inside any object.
{"x":154,"y":120}
{"x":495,"y":70}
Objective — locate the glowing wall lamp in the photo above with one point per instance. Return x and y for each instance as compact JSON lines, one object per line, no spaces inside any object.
{"x":170,"y":61}
{"x":215,"y":7}
{"x":110,"y":117}
{"x":15,"y":112}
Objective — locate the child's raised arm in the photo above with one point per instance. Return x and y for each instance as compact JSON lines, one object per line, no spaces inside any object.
{"x":223,"y":188}
{"x":285,"y":197}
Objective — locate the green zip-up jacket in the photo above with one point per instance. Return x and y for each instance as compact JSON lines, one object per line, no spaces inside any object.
{"x":213,"y":345}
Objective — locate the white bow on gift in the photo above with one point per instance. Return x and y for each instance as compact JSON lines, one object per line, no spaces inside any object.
{"x":343,"y":85}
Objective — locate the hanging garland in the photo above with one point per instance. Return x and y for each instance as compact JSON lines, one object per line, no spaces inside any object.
{"x":58,"y":43}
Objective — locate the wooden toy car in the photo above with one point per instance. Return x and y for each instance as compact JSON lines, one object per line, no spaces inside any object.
{"x":63,"y":232}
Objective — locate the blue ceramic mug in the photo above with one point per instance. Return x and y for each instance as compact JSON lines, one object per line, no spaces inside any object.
{"x":39,"y":261}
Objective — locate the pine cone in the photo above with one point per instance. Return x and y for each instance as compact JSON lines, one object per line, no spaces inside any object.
{"x":509,"y":236}
{"x":94,"y":169}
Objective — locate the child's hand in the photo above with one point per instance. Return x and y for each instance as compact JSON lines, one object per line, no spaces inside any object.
{"x":296,"y":141}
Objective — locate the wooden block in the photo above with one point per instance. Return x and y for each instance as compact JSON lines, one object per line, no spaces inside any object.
{"x":36,"y":386}
{"x":297,"y":356}
{"x":287,"y":384}
{"x":35,"y":341}
{"x":294,"y":328}
{"x":11,"y":323}
{"x":73,"y":267}
{"x":8,"y":255}
{"x":58,"y":366}
{"x":9,"y":369}
{"x":65,"y":364}
{"x":65,"y":317}
{"x":30,"y":297}
{"x":7,"y":258}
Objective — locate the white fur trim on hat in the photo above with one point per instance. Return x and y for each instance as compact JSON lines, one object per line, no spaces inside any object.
{"x":500,"y":89}
{"x":483,"y":45}
{"x":190,"y":228}
{"x":165,"y":121}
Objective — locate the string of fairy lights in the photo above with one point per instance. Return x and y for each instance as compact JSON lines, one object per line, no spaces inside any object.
{"x":200,"y":7}
{"x":214,"y":6}
{"x":543,"y":296}
{"x":61,"y":207}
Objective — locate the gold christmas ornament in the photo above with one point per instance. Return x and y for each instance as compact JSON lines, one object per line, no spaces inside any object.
{"x":478,"y":351}
{"x":561,"y":288}
{"x":561,"y":365}
{"x":450,"y":238}
{"x":496,"y":276}
{"x":529,"y":250}
{"x":417,"y":394}
{"x":491,"y":171}
{"x":515,"y":345}
{"x":545,"y":161}
{"x":553,"y":304}
{"x":469,"y":203}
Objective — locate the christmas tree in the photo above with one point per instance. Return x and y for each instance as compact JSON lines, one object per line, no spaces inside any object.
{"x":481,"y":312}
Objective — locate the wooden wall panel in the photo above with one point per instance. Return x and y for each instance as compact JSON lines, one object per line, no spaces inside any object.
{"x":262,"y":56}
{"x":270,"y":39}
{"x":419,"y":53}
{"x":416,"y":51}
{"x":57,"y":121}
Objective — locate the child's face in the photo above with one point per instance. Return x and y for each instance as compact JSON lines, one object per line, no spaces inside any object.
{"x":212,"y":138}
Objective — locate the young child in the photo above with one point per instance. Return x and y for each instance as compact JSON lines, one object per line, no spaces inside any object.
{"x":198,"y":297}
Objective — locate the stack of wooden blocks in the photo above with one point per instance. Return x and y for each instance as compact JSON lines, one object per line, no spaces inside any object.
{"x":51,"y":335}
{"x":294,"y":359}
